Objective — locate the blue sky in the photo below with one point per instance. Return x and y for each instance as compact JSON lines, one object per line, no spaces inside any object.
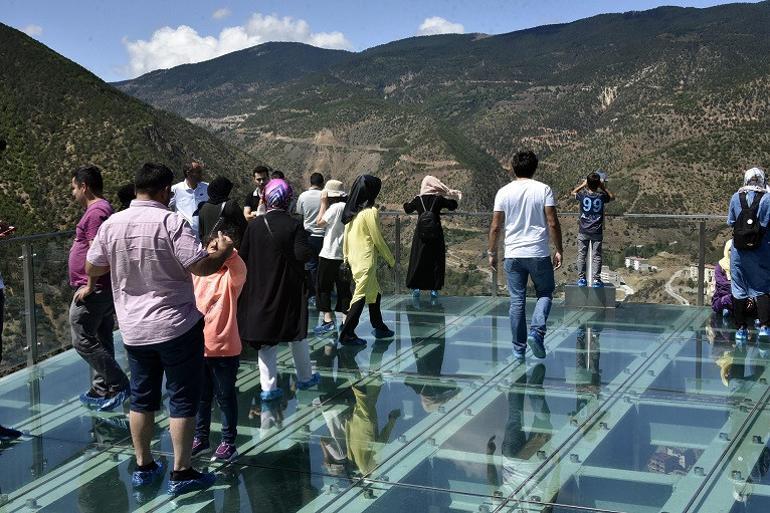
{"x":123,"y":39}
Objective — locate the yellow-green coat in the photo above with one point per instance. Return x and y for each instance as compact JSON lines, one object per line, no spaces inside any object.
{"x":362,"y":243}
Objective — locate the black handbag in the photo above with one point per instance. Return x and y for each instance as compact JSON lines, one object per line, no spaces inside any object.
{"x":344,"y":272}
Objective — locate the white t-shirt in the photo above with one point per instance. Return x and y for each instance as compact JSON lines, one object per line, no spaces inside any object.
{"x":308,"y":205}
{"x":332,"y":248}
{"x":186,"y":200}
{"x":526,"y":229}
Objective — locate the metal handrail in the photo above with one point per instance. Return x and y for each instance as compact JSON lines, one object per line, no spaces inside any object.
{"x":26,"y":242}
{"x":630,"y":215}
{"x":36,"y":236}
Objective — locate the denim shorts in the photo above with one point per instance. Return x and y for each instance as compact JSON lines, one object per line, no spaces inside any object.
{"x":181,"y":360}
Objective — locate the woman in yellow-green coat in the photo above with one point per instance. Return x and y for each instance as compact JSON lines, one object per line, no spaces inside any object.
{"x":362,"y":244}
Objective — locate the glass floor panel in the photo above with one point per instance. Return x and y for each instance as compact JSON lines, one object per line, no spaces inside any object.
{"x":644,"y":408}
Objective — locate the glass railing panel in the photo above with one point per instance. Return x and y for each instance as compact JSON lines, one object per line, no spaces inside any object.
{"x":14,"y":329}
{"x":52,"y":295}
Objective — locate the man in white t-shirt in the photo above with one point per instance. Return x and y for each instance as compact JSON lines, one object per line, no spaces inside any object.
{"x":189,"y":193}
{"x":527,"y":209}
{"x":308,"y":205}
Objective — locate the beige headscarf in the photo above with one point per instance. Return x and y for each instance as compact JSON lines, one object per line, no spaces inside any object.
{"x":724,"y":263}
{"x":432,"y":185}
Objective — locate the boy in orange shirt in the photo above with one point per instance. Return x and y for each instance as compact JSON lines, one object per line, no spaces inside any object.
{"x":216,"y":296}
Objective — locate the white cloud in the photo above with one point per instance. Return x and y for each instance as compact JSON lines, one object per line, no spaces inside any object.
{"x":221,"y":14}
{"x":33,"y":30}
{"x":438,"y":25}
{"x":168,"y":47}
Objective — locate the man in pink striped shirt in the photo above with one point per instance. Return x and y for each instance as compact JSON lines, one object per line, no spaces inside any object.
{"x":150,"y":253}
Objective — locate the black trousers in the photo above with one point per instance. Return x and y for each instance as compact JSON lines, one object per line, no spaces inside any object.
{"x":328,"y":278}
{"x":354,"y":315}
{"x":311,"y":266}
{"x":740,"y":307}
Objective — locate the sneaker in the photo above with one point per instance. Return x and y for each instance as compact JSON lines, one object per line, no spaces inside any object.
{"x":200,"y":446}
{"x":147,"y":477}
{"x":225,"y":452}
{"x":114,"y":401}
{"x":90,"y":399}
{"x":434,"y":294}
{"x":741,"y":335}
{"x":415,"y":293}
{"x":535,"y":342}
{"x":383,"y":333}
{"x":271,"y":395}
{"x":200,"y":481}
{"x":582,"y":282}
{"x":313,"y":381}
{"x":7,"y":434}
{"x":598,"y":284}
{"x":764,"y":332}
{"x":324,"y":328}
{"x":518,"y":355}
{"x":353,"y":341}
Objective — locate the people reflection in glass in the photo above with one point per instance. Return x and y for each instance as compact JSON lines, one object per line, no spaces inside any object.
{"x":429,"y":355}
{"x":521,"y":442}
{"x":588,"y":379}
{"x":363,"y":435}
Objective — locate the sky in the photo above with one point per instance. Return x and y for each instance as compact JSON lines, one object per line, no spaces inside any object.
{"x":118,"y":40}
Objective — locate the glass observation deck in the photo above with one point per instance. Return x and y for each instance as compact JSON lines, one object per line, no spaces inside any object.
{"x":642,"y":408}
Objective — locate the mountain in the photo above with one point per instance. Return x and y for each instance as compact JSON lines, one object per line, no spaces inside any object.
{"x":226,"y":78}
{"x":56,"y":116}
{"x":672,"y":102}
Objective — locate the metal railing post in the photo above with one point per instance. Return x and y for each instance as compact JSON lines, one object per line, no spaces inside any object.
{"x":397,"y":267}
{"x":495,"y":271}
{"x":30,"y":316}
{"x":701,"y":262}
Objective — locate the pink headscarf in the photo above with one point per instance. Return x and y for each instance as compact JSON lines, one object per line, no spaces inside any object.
{"x":277,"y":195}
{"x":432,"y":185}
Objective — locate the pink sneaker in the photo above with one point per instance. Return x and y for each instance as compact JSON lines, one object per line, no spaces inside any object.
{"x":200,"y":446}
{"x":225,"y":452}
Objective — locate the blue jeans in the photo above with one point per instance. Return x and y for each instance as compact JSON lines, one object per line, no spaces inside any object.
{"x":518,"y":271}
{"x":219,"y":375}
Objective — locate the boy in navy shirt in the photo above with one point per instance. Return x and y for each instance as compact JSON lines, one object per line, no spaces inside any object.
{"x":591,"y":195}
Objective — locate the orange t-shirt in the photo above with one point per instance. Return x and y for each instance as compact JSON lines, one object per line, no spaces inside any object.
{"x":216,"y":296}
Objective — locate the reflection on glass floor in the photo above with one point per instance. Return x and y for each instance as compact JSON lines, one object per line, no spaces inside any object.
{"x":648,"y":408}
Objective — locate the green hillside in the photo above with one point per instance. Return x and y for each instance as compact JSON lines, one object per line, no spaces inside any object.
{"x":56,"y":116}
{"x":663,"y":99}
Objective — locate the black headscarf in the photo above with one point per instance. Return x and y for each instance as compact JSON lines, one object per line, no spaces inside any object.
{"x":363,"y":193}
{"x":219,"y":190}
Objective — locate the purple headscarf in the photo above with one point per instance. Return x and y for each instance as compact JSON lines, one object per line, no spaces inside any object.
{"x":277,"y":195}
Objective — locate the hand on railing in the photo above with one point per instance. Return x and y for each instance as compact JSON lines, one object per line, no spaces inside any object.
{"x":6,"y":229}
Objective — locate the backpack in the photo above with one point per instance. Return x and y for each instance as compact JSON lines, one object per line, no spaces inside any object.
{"x":747,"y":232}
{"x":428,"y":223}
